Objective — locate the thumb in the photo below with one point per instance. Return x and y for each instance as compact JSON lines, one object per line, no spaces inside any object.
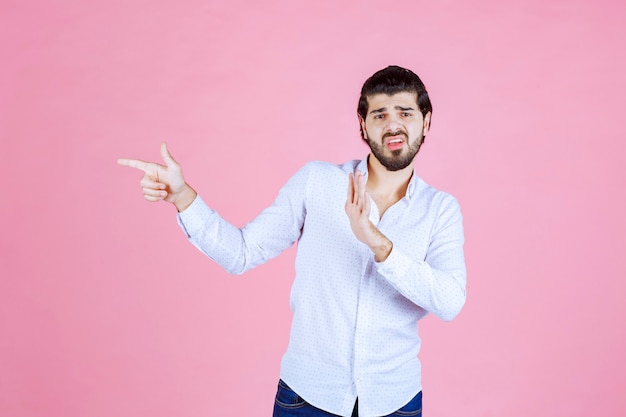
{"x":167,"y":157}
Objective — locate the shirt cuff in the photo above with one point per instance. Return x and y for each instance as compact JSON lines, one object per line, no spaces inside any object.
{"x":193,"y":218}
{"x":396,"y":264}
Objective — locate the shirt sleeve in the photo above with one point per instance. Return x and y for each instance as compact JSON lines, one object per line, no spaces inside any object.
{"x":437,"y":283}
{"x":240,"y":249}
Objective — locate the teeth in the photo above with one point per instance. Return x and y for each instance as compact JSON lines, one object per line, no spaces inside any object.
{"x":395,"y":141}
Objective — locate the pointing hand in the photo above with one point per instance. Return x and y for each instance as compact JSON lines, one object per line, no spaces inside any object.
{"x":163,"y":182}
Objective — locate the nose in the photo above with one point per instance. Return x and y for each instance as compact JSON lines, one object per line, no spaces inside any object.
{"x":393,"y":124}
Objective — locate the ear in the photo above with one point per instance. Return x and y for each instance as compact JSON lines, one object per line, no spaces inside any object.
{"x":426,"y":123}
{"x":363,"y":130}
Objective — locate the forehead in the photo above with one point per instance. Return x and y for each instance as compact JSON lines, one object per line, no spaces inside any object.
{"x":404,"y":99}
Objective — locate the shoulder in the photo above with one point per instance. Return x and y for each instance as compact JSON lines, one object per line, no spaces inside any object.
{"x":324,"y":180}
{"x":326,"y":171}
{"x":435,"y":196}
{"x":322,"y":166}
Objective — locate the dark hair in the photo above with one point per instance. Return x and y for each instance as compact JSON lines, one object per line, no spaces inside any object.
{"x":393,"y":80}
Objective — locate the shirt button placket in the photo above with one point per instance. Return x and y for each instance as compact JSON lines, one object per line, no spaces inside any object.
{"x":360,"y":336}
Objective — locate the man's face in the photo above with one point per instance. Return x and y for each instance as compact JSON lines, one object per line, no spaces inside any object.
{"x":394,"y":128}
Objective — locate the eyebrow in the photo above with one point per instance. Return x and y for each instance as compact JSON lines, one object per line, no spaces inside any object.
{"x":384,"y":109}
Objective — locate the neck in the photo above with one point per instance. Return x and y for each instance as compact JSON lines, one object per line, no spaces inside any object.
{"x":383,"y":182}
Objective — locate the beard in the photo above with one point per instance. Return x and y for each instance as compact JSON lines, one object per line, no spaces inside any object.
{"x":398,"y":159}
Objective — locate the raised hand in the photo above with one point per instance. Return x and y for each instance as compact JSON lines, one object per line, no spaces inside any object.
{"x":358,"y":209}
{"x":163,"y":182}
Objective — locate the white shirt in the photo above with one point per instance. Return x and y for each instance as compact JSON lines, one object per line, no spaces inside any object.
{"x":354,"y":329}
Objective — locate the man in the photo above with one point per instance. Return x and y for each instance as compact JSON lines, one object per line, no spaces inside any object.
{"x":368,"y":267}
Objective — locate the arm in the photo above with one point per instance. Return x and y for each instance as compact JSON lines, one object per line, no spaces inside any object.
{"x":240,"y":249}
{"x":437,"y":283}
{"x":235,"y":249}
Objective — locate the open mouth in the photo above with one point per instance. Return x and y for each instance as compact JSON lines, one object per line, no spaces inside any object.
{"x":395,"y":142}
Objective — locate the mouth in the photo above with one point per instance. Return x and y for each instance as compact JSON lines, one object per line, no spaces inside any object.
{"x":395,"y":142}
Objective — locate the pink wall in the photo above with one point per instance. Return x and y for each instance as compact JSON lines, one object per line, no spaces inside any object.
{"x":106,"y":310}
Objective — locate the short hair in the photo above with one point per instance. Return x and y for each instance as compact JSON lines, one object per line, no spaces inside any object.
{"x":390,"y":81}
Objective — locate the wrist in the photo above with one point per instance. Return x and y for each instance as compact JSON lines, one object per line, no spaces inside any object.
{"x":382,"y":251}
{"x":185,"y":198}
{"x":381,"y":246}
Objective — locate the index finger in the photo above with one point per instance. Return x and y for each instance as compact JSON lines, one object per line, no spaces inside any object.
{"x":134,"y":163}
{"x":359,"y":186}
{"x":350,"y":188}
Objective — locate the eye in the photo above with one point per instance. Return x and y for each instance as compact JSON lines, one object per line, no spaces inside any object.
{"x":379,"y":116}
{"x":406,"y":114}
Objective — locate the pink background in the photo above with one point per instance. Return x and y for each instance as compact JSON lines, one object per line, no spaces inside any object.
{"x":106,"y":310}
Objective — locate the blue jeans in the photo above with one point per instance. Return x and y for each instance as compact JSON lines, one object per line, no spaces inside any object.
{"x":290,"y":404}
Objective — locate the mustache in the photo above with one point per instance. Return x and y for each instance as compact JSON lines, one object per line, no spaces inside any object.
{"x":396,"y":133}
